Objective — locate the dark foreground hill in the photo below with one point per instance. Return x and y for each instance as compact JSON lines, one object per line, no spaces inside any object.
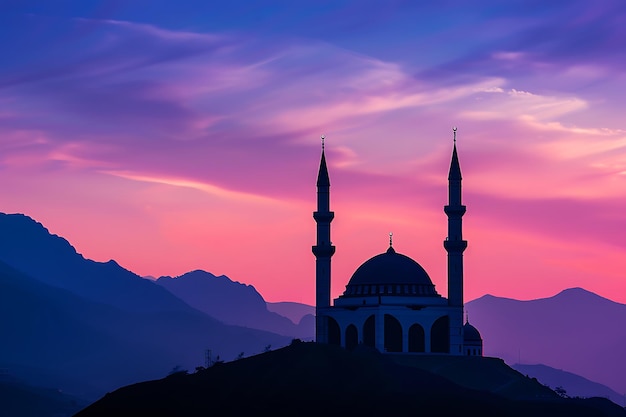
{"x":306,"y":379}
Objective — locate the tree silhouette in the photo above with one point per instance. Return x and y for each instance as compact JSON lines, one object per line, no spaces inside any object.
{"x":561,"y":391}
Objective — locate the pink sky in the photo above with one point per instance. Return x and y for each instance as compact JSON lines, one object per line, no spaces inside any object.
{"x":171,"y":143}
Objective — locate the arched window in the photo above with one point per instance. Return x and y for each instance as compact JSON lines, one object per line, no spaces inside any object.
{"x":369,"y":331}
{"x":334,"y":333}
{"x":393,"y":334}
{"x":352,"y":337}
{"x":440,"y":335}
{"x":416,"y":338}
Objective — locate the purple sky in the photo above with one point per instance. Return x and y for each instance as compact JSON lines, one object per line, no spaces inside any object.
{"x":184,"y":136}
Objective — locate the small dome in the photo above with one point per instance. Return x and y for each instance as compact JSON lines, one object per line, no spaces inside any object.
{"x":390,"y":273}
{"x":471,"y":334}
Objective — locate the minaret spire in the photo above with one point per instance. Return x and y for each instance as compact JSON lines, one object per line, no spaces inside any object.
{"x":323,"y":180}
{"x":323,"y":250}
{"x":455,"y":245}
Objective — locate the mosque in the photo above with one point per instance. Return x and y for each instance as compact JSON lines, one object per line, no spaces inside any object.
{"x":390,"y":302}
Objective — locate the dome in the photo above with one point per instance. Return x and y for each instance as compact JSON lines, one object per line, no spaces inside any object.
{"x":471,"y":334}
{"x":390,"y":273}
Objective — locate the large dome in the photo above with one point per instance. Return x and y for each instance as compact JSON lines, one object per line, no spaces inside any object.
{"x":390,"y":273}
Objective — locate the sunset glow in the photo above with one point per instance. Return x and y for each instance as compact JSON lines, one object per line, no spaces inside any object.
{"x":187,"y":136}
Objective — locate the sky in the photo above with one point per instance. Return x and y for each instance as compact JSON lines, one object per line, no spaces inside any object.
{"x":174,"y":136}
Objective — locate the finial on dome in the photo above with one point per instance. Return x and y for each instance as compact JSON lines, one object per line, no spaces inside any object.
{"x":466,"y":317}
{"x":454,"y":133}
{"x":390,"y":249}
{"x":323,"y":137}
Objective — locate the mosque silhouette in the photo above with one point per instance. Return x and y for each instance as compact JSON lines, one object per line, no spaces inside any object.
{"x":390,"y":302}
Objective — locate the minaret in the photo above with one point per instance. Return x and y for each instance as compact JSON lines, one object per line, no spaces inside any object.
{"x":323,"y":251}
{"x":455,"y":245}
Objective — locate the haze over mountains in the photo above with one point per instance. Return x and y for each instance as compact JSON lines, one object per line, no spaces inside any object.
{"x":234,"y":303}
{"x":575,"y":330}
{"x":574,"y":385}
{"x":89,"y":327}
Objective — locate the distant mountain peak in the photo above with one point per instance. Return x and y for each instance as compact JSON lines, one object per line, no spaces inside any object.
{"x":575,"y":329}
{"x":576,"y":291}
{"x":200,"y":276}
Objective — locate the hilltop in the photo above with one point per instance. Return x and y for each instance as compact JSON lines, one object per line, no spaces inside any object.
{"x":309,"y":379}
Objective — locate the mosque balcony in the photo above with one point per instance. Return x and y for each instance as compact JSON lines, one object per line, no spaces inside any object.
{"x":323,"y":216}
{"x":455,"y":245}
{"x":322,"y":251}
{"x":455,"y":210}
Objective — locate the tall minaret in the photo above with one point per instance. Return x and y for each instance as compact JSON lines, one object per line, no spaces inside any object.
{"x":323,"y":251}
{"x":455,"y":245}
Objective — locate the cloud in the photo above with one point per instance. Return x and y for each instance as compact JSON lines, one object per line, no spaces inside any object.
{"x":236,"y":113}
{"x":204,"y":187}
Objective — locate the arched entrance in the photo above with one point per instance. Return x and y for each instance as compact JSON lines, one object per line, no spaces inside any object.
{"x":334,"y":332}
{"x":416,"y":338}
{"x":352,"y":337}
{"x":369,"y":331}
{"x":393,"y":334}
{"x":440,"y":335}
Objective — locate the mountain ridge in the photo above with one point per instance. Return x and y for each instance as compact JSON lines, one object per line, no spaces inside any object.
{"x":575,"y":329}
{"x":23,"y":239}
{"x":574,"y":385}
{"x":232,"y":302}
{"x":56,"y":332}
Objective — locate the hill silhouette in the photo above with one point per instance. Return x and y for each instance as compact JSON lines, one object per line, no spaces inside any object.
{"x":308,"y":379}
{"x":232,"y":303}
{"x":575,"y":330}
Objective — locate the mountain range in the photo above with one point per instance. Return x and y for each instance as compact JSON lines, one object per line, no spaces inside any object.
{"x":234,"y":303}
{"x":575,"y":330}
{"x":89,"y":327}
{"x":574,"y":385}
